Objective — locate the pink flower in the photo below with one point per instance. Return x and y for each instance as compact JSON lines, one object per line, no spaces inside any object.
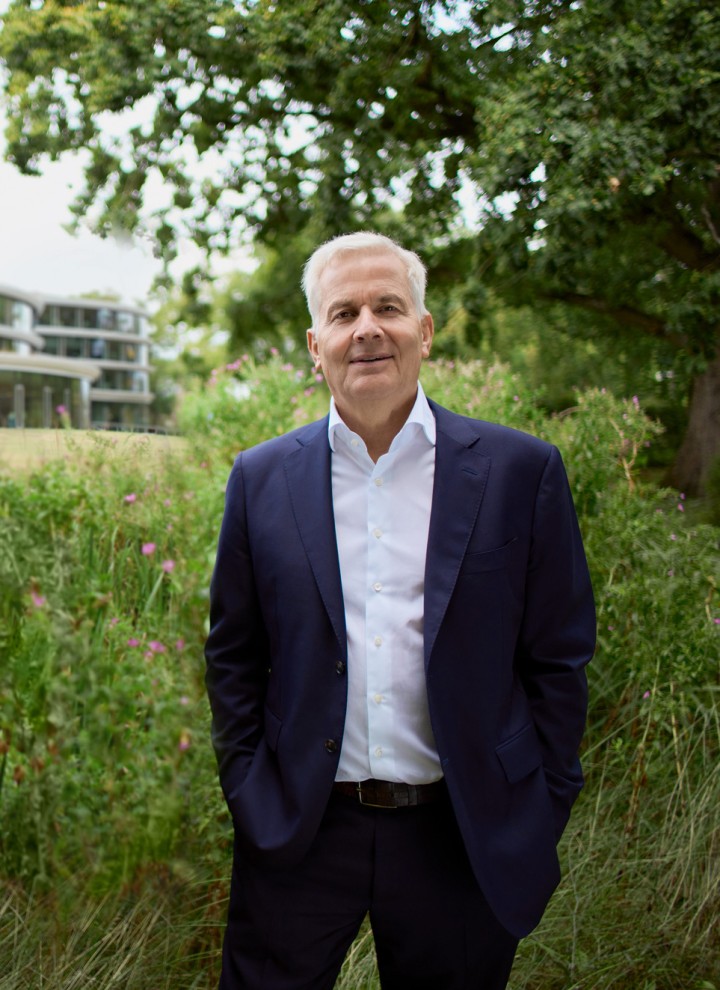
{"x":167,"y":502}
{"x":168,"y":566}
{"x":636,"y":402}
{"x":130,"y":498}
{"x":646,"y":695}
{"x":133,"y":641}
{"x":38,"y":600}
{"x":673,"y":536}
{"x":60,"y":410}
{"x":148,"y":549}
{"x":156,"y":646}
{"x":114,"y":621}
{"x":681,"y":507}
{"x":179,"y":644}
{"x":184,"y":741}
{"x":717,"y":622}
{"x":184,"y":700}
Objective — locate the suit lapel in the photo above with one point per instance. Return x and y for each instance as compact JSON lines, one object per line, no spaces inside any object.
{"x":309,"y":480}
{"x":460,"y":479}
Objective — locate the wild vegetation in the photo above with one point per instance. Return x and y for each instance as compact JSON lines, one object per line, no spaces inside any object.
{"x":114,"y":841}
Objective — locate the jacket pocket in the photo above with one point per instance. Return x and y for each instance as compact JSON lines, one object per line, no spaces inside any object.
{"x":520,"y":754}
{"x":487,"y":560}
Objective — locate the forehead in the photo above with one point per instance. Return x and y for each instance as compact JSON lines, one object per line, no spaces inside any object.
{"x":360,"y":274}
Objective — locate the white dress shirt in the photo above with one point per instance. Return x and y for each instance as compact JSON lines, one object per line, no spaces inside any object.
{"x":382,"y":517}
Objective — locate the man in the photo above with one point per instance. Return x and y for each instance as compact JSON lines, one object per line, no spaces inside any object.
{"x":401,"y":615}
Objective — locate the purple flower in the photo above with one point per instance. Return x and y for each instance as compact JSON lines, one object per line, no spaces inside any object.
{"x":168,"y":566}
{"x":60,"y":410}
{"x":130,"y":498}
{"x":646,"y":695}
{"x":148,"y":549}
{"x":156,"y":646}
{"x":133,"y":641}
{"x":38,"y":600}
{"x":179,"y":644}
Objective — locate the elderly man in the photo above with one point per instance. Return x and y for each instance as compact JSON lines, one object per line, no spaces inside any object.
{"x":401,"y":615}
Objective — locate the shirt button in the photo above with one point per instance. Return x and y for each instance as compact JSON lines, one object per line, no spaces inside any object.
{"x":378,"y":699}
{"x":378,"y":482}
{"x":377,"y":533}
{"x":377,"y":586}
{"x":330,"y":745}
{"x":378,"y":641}
{"x":340,"y":666}
{"x":378,"y":751}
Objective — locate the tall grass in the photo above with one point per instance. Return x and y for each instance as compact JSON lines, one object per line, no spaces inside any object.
{"x":114,"y":842}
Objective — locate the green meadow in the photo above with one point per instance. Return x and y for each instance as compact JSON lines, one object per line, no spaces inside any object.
{"x":115,"y":844}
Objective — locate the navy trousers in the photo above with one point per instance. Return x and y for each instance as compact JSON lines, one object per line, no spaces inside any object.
{"x":406,"y":868}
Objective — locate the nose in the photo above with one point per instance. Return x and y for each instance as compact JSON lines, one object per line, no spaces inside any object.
{"x":366,"y":324}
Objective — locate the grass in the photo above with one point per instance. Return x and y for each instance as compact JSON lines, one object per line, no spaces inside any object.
{"x":29,"y":450}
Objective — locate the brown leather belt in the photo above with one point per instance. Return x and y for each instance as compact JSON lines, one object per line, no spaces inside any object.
{"x":387,"y":794}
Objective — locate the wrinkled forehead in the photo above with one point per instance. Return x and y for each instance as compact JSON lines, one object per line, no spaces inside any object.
{"x":352,"y":276}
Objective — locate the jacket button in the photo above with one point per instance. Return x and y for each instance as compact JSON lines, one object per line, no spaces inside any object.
{"x":330,"y":745}
{"x":340,"y":667}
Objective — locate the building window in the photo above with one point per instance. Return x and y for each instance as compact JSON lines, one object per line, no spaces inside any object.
{"x":68,"y":316}
{"x":75,"y":347}
{"x":97,"y":348}
{"x":126,"y":322}
{"x":106,"y":318}
{"x":52,"y":345}
{"x":89,"y":318}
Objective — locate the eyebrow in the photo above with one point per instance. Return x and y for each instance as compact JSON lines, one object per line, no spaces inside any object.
{"x":386,"y":297}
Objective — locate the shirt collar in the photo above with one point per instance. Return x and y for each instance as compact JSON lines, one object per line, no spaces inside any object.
{"x":420,"y":420}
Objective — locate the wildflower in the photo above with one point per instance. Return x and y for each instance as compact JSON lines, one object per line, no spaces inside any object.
{"x":156,"y":646}
{"x":133,"y":641}
{"x":114,"y":621}
{"x":274,"y":351}
{"x":130,"y":498}
{"x":184,"y":741}
{"x":38,"y":600}
{"x":179,"y":644}
{"x":60,"y":410}
{"x":168,"y":566}
{"x":636,"y":402}
{"x":184,"y":700}
{"x":717,"y":622}
{"x":148,"y":549}
{"x":309,"y":391}
{"x":673,"y":536}
{"x":646,"y":695}
{"x":167,"y":503}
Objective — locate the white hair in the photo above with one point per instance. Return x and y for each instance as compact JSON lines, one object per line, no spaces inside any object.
{"x":365,"y":241}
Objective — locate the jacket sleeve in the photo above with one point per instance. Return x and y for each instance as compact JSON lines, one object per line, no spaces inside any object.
{"x":557,"y":636}
{"x":236,"y":651}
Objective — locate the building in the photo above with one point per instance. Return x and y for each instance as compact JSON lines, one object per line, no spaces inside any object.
{"x":83,"y":359}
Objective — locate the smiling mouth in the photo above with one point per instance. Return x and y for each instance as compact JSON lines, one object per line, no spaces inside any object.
{"x":370,"y":359}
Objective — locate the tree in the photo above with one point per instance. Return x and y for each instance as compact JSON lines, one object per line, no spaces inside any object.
{"x":587,"y":130}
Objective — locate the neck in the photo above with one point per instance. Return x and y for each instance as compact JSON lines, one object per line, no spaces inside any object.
{"x":378,"y":428}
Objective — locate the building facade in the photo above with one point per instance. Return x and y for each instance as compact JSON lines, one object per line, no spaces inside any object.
{"x":84,"y":361}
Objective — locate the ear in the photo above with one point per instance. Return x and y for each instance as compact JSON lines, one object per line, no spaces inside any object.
{"x":428,"y":329}
{"x":313,"y":347}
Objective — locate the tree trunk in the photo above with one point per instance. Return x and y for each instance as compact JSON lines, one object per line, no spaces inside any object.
{"x":701,"y":445}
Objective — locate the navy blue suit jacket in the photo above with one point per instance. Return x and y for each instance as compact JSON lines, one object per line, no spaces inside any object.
{"x":509,"y":628}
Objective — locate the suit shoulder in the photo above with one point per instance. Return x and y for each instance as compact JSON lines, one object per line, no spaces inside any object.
{"x":488,"y":437}
{"x":277,"y":448}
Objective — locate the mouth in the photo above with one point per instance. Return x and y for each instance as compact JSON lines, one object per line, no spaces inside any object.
{"x":370,"y":359}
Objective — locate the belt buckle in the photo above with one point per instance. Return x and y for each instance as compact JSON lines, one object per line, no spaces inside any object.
{"x":370,"y":804}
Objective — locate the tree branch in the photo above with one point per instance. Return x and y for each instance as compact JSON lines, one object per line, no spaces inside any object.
{"x":627,"y":315}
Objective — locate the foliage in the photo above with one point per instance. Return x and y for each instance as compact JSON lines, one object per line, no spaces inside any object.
{"x":114,"y":842}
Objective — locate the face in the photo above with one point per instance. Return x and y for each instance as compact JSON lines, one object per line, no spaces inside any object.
{"x":370,"y":340}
